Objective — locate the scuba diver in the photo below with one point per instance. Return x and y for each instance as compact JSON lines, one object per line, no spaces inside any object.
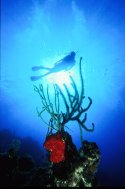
{"x":65,"y":63}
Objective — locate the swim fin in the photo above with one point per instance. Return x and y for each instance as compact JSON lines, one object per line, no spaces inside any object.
{"x":34,"y":78}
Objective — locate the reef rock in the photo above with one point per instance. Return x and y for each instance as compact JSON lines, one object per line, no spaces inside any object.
{"x":77,"y":168}
{"x":80,"y":172}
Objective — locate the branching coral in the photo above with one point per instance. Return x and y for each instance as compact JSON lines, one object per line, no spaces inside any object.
{"x":73,"y":105}
{"x":52,"y":109}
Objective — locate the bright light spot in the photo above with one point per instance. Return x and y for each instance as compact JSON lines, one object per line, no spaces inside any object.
{"x":61,"y":78}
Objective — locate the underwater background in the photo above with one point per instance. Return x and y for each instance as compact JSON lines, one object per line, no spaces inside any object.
{"x":41,"y":32}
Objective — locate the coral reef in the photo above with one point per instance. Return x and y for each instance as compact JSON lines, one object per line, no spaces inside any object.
{"x":77,"y":170}
{"x":66,"y":166}
{"x":81,"y":171}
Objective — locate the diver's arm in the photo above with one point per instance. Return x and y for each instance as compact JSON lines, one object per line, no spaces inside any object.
{"x":57,"y":62}
{"x":63,"y":59}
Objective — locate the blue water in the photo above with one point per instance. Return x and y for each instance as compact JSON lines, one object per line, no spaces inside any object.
{"x":41,"y":32}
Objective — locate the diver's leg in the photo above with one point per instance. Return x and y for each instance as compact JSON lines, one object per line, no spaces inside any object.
{"x":35,"y":68}
{"x":34,"y":78}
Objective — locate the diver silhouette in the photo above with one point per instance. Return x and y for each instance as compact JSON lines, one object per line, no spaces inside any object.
{"x":65,"y":63}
